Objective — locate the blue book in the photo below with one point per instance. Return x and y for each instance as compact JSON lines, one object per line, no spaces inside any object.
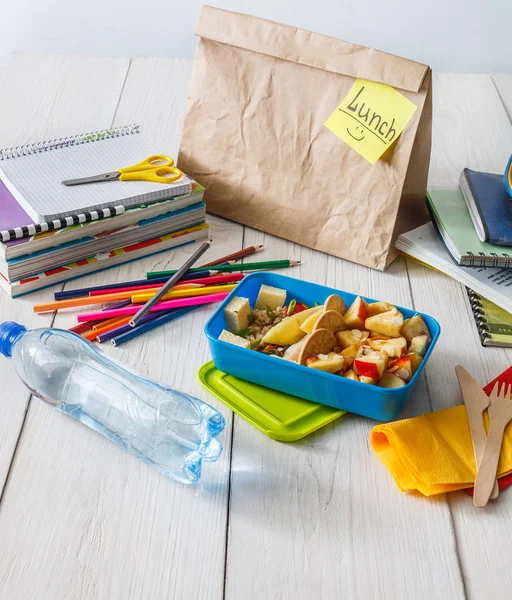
{"x":489,"y":205}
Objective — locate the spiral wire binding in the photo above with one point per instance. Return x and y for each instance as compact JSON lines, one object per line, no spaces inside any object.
{"x":83,"y":138}
{"x":478,"y":312}
{"x":496,"y":262}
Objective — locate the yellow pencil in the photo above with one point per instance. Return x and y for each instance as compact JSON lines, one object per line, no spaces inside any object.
{"x":143,"y":297}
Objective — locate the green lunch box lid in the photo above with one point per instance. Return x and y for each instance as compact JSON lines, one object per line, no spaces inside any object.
{"x":280,"y":416}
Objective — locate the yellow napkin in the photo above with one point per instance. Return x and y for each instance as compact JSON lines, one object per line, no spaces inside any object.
{"x":433,"y":453}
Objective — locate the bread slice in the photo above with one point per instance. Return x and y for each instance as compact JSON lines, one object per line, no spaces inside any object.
{"x":270,"y":296}
{"x":236,"y":340}
{"x":236,"y":314}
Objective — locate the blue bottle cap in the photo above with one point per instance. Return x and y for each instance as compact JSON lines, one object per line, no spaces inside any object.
{"x":10,"y":332}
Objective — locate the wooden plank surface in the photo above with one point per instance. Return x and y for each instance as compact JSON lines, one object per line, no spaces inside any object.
{"x":321,"y":518}
{"x":480,"y":139}
{"x":503,"y":83}
{"x":155,"y":534}
{"x":41,"y":99}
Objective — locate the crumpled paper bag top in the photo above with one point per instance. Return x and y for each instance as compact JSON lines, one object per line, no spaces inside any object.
{"x":254,"y":136}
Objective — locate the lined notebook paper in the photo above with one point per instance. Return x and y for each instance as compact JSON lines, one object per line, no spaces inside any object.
{"x":34,"y":174}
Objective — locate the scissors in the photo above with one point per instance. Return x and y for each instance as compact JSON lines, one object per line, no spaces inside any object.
{"x":507,"y":178}
{"x":157,"y":168}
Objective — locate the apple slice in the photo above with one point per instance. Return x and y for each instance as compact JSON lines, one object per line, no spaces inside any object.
{"x":372,"y":365}
{"x":356,"y":314}
{"x":402,"y":368}
{"x":390,"y":380}
{"x":351,"y":375}
{"x":419,"y":344}
{"x":413,"y":327}
{"x":376,"y":308}
{"x":415,"y":361}
{"x":330,"y":363}
{"x":354,"y":337}
{"x":288,"y":331}
{"x":386,"y":323}
{"x":310,"y":322}
{"x":370,"y":380}
{"x":350,"y":352}
{"x":334,"y":302}
{"x":395,"y":347}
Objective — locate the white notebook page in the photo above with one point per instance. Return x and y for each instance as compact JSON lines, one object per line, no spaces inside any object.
{"x":36,"y":180}
{"x":492,"y":283}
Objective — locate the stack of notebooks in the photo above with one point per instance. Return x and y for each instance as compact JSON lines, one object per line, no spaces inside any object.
{"x":469,"y":239}
{"x":50,"y":233}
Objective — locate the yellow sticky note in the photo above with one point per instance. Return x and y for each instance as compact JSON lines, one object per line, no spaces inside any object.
{"x":371,"y":117}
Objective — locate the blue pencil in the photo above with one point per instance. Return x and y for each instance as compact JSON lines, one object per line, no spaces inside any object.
{"x":148,"y":326}
{"x":84,"y":292}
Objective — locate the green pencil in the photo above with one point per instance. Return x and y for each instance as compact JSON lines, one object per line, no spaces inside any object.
{"x":255,"y":266}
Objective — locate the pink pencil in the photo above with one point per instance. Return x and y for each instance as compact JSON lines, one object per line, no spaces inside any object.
{"x":168,"y":305}
{"x":230,"y":277}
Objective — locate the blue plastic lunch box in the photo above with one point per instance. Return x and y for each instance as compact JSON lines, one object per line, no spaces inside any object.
{"x":383,"y":404}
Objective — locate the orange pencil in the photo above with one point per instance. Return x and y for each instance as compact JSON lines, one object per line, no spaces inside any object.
{"x":104,"y":323}
{"x":90,"y":335}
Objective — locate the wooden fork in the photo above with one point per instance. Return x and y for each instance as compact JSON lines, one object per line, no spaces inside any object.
{"x":500,"y":414}
{"x":476,"y":402}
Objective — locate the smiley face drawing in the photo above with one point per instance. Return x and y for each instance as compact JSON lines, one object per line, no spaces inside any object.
{"x":359,"y":132}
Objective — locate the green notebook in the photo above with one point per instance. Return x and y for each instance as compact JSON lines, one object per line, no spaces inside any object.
{"x":451,"y":218}
{"x":493,"y":323}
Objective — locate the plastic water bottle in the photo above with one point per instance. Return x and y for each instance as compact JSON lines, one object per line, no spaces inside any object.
{"x":170,"y":431}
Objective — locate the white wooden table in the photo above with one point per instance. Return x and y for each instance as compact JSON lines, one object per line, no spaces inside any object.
{"x":319,"y":519}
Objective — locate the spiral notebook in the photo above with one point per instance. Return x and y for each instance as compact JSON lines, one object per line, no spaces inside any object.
{"x":33,"y":174}
{"x":493,"y":323}
{"x":451,"y":217}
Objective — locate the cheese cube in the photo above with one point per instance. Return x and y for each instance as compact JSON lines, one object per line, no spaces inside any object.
{"x":236,"y":314}
{"x":270,"y":296}
{"x":231,"y":338}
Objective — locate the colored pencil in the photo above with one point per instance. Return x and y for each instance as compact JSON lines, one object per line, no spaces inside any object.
{"x":259,"y":266}
{"x":82,"y":292}
{"x":82,"y":327}
{"x":167,"y":305}
{"x":148,"y":326}
{"x":113,"y":324}
{"x":150,"y":286}
{"x":86,"y":301}
{"x":214,"y":289}
{"x":124,"y":327}
{"x":234,"y":257}
{"x":172,"y":281}
{"x":119,"y":322}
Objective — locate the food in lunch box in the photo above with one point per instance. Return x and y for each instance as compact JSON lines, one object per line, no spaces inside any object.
{"x":237,"y":314}
{"x":270,"y":296}
{"x":368,"y":342}
{"x":227,"y":336}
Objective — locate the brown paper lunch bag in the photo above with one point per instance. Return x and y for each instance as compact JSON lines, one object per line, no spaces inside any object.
{"x":254,"y":137}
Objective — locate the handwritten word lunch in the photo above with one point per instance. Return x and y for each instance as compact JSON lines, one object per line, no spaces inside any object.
{"x":371,"y":118}
{"x":375,"y":124}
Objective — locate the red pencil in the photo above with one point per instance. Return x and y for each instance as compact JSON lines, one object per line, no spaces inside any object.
{"x":234,"y":257}
{"x":215,"y":279}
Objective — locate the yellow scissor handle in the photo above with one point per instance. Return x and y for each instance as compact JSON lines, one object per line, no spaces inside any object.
{"x":151,"y":162}
{"x":155,"y":174}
